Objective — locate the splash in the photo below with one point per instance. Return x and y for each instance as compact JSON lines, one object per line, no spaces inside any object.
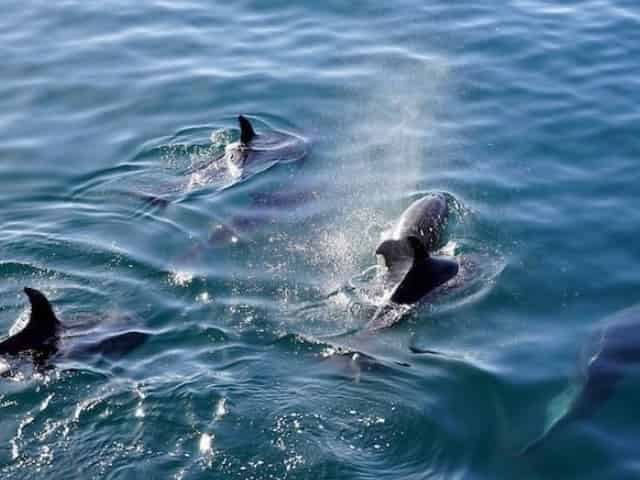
{"x":381,"y":157}
{"x":204,"y":445}
{"x":139,"y":411}
{"x":180,"y":278}
{"x":221,"y":409}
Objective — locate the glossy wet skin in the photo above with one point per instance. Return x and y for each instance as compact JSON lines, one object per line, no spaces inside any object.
{"x":411,"y":271}
{"x":423,"y":277}
{"x":425,"y":219}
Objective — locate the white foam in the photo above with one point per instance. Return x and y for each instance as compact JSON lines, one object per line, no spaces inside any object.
{"x":205,"y":443}
{"x":221,"y":409}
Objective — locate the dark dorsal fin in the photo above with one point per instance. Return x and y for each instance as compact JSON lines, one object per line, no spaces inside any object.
{"x":386,"y":249}
{"x":420,"y":253}
{"x":246,"y":130}
{"x":41,"y":330}
{"x":395,"y":252}
{"x":42,"y":318}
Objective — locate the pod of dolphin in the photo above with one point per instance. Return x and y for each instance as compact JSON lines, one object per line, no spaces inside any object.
{"x":412,"y":271}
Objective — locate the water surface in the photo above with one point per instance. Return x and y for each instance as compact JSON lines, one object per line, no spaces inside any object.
{"x":524,"y":112}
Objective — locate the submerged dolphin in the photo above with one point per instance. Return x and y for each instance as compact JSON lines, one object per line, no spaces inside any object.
{"x":42,"y":334}
{"x":618,"y":349}
{"x":411,"y":271}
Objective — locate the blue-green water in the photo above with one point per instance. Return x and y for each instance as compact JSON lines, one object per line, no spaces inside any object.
{"x":526,"y":112}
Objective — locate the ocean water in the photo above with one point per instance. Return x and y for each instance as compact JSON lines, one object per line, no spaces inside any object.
{"x":256,"y":290}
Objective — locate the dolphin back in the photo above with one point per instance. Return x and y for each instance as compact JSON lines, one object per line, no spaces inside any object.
{"x":418,"y":232}
{"x":119,"y":344}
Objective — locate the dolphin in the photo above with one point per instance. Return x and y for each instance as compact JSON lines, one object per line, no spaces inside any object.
{"x":257,"y":150}
{"x":43,"y":332}
{"x":617,"y":350}
{"x":252,"y":153}
{"x":411,"y":270}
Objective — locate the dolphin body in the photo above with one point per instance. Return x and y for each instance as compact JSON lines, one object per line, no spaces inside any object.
{"x":618,"y":349}
{"x":43,"y":332}
{"x":411,"y":271}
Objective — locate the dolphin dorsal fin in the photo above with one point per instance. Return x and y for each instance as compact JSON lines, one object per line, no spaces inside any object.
{"x":42,"y":318}
{"x":41,"y":331}
{"x":408,"y":249}
{"x":420,"y":253}
{"x":386,"y":249}
{"x":246,"y":130}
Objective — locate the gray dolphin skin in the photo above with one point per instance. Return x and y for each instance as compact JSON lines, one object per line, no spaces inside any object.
{"x":618,"y":349}
{"x":42,"y":334}
{"x":411,"y":271}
